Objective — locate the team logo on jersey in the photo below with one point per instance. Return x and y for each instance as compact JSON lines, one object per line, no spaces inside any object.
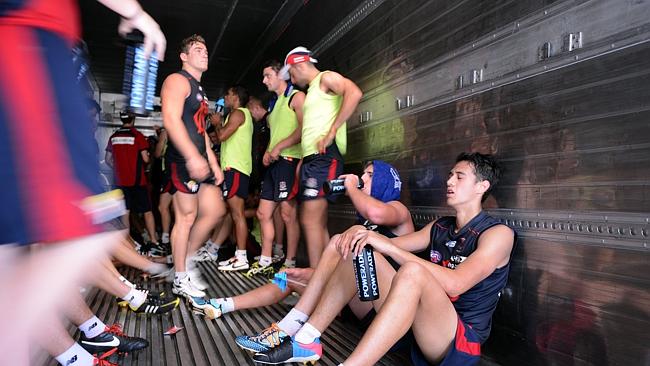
{"x":282,"y":185}
{"x":199,"y":97}
{"x":450,"y":244}
{"x":435,"y":256}
{"x":192,"y":185}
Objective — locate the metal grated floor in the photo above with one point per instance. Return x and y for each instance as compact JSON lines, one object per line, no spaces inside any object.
{"x":205,"y":342}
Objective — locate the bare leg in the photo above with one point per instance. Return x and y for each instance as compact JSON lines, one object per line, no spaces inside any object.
{"x":290,"y":218}
{"x":262,"y":296}
{"x":210,"y":211}
{"x":236,"y":205}
{"x":53,"y":337}
{"x":265,"y":214}
{"x":415,"y":300}
{"x":342,"y":287}
{"x":223,"y":231}
{"x":150,"y":223}
{"x":125,"y":254}
{"x":185,"y":208}
{"x":279,"y":227}
{"x":164,"y":208}
{"x":319,"y":279}
{"x":106,"y":280}
{"x":313,"y":217}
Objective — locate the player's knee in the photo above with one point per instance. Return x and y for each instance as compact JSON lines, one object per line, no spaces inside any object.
{"x":186,"y":218}
{"x":263,"y":216}
{"x":288,"y":214}
{"x":412,"y":273}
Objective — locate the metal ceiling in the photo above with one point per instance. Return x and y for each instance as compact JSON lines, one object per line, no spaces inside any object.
{"x":240,"y":34}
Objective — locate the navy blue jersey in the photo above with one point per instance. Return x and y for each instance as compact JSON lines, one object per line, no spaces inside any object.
{"x":449,"y":249}
{"x":195,"y":110}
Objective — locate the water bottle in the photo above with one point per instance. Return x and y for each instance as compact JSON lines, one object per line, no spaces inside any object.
{"x":366,"y":274}
{"x":140,"y":74}
{"x":337,"y":186}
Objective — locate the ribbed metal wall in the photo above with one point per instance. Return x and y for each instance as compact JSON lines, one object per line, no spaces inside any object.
{"x":573,"y":131}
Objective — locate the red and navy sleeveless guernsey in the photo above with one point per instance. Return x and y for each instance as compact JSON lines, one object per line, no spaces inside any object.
{"x":126,"y":145}
{"x":449,"y":249}
{"x":57,"y":16}
{"x":195,"y":110}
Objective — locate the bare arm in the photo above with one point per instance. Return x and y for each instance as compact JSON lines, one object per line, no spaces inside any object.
{"x":212,"y":161}
{"x":351,"y":94}
{"x":134,"y":17}
{"x":493,"y":252}
{"x":173,"y":93}
{"x":235,"y":120}
{"x":390,"y":214}
{"x":108,"y":158}
{"x":145,"y":156}
{"x":160,"y":145}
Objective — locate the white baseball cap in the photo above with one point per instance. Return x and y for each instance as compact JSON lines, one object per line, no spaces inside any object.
{"x":295,"y":56}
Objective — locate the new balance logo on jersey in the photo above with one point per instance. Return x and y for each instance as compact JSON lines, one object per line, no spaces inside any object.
{"x":72,"y":360}
{"x":283,"y":195}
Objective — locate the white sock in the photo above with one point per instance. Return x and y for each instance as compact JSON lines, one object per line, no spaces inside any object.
{"x":241,"y":254}
{"x":290,"y":262}
{"x":265,"y":261}
{"x":227,"y":305}
{"x":75,"y":356}
{"x":135,"y":298}
{"x":307,"y":334}
{"x":212,"y":247}
{"x":164,"y":238}
{"x":127,"y":282}
{"x":178,"y":276}
{"x":156,"y":268}
{"x":92,"y":327}
{"x":293,"y":321}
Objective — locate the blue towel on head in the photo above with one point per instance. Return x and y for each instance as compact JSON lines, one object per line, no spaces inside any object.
{"x":386,"y":184}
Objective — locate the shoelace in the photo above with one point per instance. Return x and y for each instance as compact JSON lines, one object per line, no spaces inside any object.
{"x":116,"y":329}
{"x":102,"y":361}
{"x":271,"y":334}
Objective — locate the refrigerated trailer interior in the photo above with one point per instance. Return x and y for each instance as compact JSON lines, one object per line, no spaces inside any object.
{"x":558,"y":90}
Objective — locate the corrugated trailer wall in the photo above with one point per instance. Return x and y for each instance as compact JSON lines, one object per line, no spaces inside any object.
{"x":560,"y":91}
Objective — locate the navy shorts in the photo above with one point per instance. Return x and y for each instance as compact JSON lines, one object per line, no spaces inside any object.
{"x":316,"y":169}
{"x":465,"y":351}
{"x":48,"y":153}
{"x":181,"y":180}
{"x":137,"y":198}
{"x":280,"y":180}
{"x":235,"y":183}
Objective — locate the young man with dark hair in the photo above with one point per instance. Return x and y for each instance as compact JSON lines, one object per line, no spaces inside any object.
{"x":236,"y":136}
{"x":127,"y":153}
{"x":330,"y":101}
{"x":446,"y":301}
{"x":378,"y":208}
{"x":282,"y":157}
{"x":194,"y":170}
